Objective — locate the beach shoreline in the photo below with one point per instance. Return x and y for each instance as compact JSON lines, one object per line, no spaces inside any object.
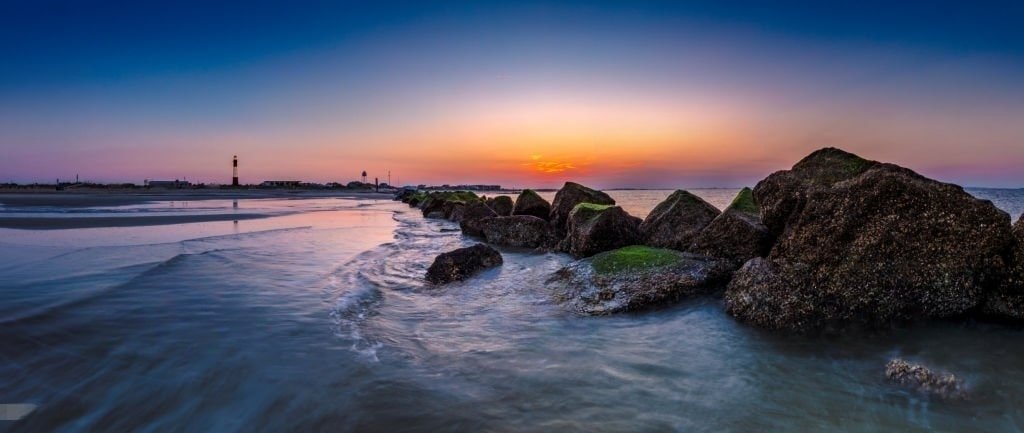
{"x":89,"y":199}
{"x":98,"y":198}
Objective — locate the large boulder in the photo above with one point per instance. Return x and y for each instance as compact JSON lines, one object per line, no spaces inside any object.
{"x":571,"y":195}
{"x":503,"y":205}
{"x":531,"y":203}
{"x":473,"y":216}
{"x":919,"y":378}
{"x":883,"y":245}
{"x":520,"y":231}
{"x":634,"y":278}
{"x":594,"y":228}
{"x":736,"y":235}
{"x":783,"y":194}
{"x":1007,"y":302}
{"x":459,"y":264}
{"x":675,"y":222}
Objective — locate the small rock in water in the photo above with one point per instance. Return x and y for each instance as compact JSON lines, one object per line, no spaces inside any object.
{"x":922,"y":379}
{"x":461,"y":263}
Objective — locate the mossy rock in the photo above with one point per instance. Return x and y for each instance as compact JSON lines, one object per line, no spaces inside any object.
{"x":594,"y":228}
{"x":634,"y":278}
{"x":745,"y":202}
{"x":634,"y":257}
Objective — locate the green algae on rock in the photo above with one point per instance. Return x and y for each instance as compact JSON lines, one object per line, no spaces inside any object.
{"x":634,"y":278}
{"x":632,"y":258}
{"x":866,"y":244}
{"x":571,"y":195}
{"x":737,"y":234}
{"x":593,"y":228}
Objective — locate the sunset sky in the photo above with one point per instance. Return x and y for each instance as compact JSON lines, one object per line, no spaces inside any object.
{"x":612,"y":94}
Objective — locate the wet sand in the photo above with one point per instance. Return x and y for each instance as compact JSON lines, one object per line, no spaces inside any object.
{"x":105,"y":198}
{"x":95,"y":198}
{"x":51,"y":223}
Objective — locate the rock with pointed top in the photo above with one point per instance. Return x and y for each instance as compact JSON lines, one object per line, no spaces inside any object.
{"x":675,"y":222}
{"x":571,"y":195}
{"x":736,"y":235}
{"x":531,"y":203}
{"x":594,"y":228}
{"x":502,"y":205}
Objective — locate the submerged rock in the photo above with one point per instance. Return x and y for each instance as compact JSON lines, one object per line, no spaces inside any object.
{"x":530,"y":203}
{"x":472,"y":223}
{"x":502,"y":205}
{"x":868,"y":244}
{"x":571,"y":195}
{"x":919,"y":378}
{"x":461,"y":263}
{"x":594,"y":228}
{"x":634,"y":278}
{"x":520,"y":231}
{"x":737,"y":234}
{"x":675,"y":222}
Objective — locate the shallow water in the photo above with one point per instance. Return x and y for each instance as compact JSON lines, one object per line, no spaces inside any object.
{"x":319,"y":320}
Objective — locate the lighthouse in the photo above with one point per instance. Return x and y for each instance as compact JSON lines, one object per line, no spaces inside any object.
{"x":234,"y":171}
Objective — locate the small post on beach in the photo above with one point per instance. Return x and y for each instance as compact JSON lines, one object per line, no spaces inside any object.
{"x":376,"y":184}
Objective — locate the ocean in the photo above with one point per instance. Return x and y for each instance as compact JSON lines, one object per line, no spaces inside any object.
{"x":317,"y":318}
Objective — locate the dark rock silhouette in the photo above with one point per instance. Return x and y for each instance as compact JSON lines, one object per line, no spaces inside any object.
{"x":862,"y":243}
{"x":675,"y":222}
{"x":737,"y":234}
{"x":571,"y":195}
{"x":461,"y":263}
{"x":473,"y":216}
{"x":920,"y":378}
{"x":520,"y":231}
{"x":594,"y":228}
{"x":530,"y":203}
{"x":634,"y":278}
{"x":502,"y":205}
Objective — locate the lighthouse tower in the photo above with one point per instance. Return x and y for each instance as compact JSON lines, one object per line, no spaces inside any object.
{"x":234,"y":171}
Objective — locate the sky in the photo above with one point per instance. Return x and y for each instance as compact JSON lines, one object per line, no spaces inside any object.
{"x":523,"y":94}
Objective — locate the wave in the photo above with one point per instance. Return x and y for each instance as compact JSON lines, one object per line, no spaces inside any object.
{"x":79,"y":298}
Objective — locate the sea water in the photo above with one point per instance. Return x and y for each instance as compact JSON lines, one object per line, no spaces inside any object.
{"x":318,"y":319}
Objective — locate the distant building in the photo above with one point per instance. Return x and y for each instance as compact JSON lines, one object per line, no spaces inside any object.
{"x":169,"y":184}
{"x":281,"y":184}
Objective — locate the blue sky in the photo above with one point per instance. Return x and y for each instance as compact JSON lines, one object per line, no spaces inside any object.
{"x":627,"y":94}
